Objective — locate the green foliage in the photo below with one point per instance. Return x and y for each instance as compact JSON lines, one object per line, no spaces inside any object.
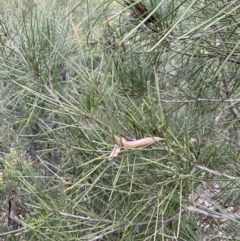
{"x":73,"y":76}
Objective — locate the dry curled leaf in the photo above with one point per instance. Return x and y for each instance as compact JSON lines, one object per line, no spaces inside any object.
{"x":122,"y":142}
{"x":115,"y":151}
{"x":137,"y":143}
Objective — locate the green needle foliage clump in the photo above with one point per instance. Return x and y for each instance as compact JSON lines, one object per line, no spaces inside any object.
{"x":76,"y":74}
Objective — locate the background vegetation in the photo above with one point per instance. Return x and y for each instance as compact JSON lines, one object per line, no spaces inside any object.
{"x":74,"y":74}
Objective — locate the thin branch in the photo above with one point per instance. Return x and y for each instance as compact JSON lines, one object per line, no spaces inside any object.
{"x":202,"y":34}
{"x":201,"y":100}
{"x":100,"y":237}
{"x":55,"y":97}
{"x":234,"y":60}
{"x":106,"y":188}
{"x":83,"y":218}
{"x":228,"y":95}
{"x":207,"y":214}
{"x":216,"y":173}
{"x":112,"y":17}
{"x":209,"y":55}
